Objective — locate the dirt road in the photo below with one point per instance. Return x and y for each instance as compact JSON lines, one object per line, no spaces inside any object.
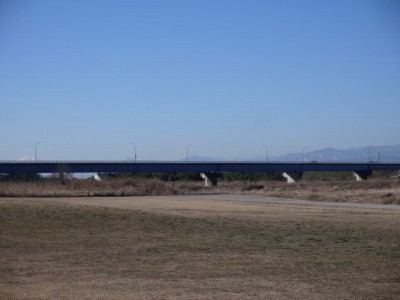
{"x":208,"y":204}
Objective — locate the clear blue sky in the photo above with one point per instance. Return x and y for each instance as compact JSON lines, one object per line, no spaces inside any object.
{"x":88,"y":78}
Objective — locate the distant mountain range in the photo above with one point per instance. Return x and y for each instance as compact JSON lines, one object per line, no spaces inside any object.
{"x":362,"y":154}
{"x":389,"y":153}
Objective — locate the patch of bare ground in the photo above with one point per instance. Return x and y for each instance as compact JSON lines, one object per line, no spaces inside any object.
{"x":161,"y":248}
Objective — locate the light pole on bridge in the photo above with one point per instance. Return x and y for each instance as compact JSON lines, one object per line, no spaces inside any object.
{"x":266,"y":153}
{"x":36,"y":150}
{"x":187,"y":152}
{"x":134,"y":149}
{"x":302,"y":153}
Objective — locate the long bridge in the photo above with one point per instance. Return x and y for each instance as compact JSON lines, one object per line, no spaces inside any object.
{"x":210,"y":171}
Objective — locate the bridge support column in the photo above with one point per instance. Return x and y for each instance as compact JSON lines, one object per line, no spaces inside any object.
{"x":396,"y":176}
{"x":362,"y":175}
{"x":292,"y":177}
{"x":210,"y":179}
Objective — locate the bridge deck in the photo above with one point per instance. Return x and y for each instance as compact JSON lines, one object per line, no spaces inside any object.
{"x":205,"y":167}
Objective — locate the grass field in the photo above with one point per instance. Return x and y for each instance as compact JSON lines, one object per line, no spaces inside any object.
{"x":170,"y":249}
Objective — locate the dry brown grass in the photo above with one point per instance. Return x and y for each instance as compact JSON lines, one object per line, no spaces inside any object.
{"x":378,"y":190}
{"x":374,"y":190}
{"x":208,"y":250}
{"x":79,"y":188}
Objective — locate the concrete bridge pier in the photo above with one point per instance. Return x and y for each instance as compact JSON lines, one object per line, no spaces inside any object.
{"x":362,"y":175}
{"x":292,"y":177}
{"x":210,"y":178}
{"x":396,"y":176}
